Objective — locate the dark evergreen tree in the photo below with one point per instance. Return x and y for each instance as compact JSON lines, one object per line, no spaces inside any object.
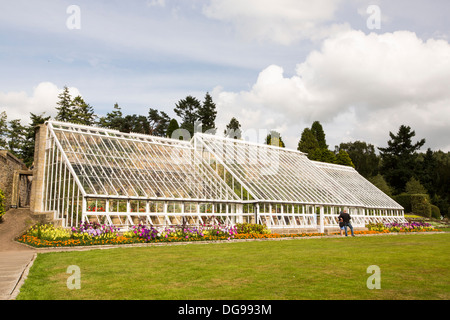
{"x":173,"y":125}
{"x":207,"y":115}
{"x":17,"y":135}
{"x":187,"y":109}
{"x":398,"y":158}
{"x":83,"y":113}
{"x":3,"y":130}
{"x":344,"y":159}
{"x":65,"y":107}
{"x":158,"y":122}
{"x":233,"y":129}
{"x":317,"y":131}
{"x":114,"y":119}
{"x":363,"y":157}
{"x":308,"y":142}
{"x":29,"y":142}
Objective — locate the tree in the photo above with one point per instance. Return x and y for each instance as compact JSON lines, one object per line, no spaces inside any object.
{"x":322,"y":155}
{"x":114,"y":119}
{"x":413,"y":186}
{"x":187,"y":109}
{"x":83,"y":113}
{"x":319,"y":134}
{"x":379,"y":182}
{"x":207,"y":115}
{"x":344,"y":159}
{"x":3,"y":130}
{"x":233,"y":129}
{"x":16,"y":137}
{"x":363,"y":156}
{"x":29,"y":142}
{"x":135,"y":123}
{"x":158,"y":122}
{"x":308,"y":142}
{"x":274,"y":139}
{"x":65,"y":106}
{"x":398,"y":158}
{"x":173,"y":125}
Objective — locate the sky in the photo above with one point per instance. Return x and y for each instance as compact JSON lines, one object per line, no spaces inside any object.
{"x":361,"y":68}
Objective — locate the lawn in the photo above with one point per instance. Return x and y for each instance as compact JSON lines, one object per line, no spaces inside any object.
{"x":412,"y":266}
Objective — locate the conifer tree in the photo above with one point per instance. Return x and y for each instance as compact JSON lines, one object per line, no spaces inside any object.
{"x":83,"y":113}
{"x":65,"y":106}
{"x":233,"y":129}
{"x":207,"y":114}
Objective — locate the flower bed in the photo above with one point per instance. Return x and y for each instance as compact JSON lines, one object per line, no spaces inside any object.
{"x":89,"y":234}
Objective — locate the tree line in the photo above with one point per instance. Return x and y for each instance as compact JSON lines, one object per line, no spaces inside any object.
{"x":397,"y":169}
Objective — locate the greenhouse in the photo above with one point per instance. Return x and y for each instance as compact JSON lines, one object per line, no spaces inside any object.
{"x":96,"y":174}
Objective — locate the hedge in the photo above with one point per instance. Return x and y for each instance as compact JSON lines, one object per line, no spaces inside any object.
{"x":435,"y":212}
{"x":420,"y":204}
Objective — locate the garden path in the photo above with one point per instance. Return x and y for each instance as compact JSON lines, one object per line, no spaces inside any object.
{"x":15,"y":258}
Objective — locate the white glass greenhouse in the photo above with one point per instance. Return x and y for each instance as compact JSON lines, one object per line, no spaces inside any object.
{"x":96,"y":174}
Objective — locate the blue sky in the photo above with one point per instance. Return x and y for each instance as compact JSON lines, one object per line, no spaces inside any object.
{"x":271,"y":64}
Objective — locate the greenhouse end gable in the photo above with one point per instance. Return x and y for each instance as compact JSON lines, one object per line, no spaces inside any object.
{"x":84,"y":173}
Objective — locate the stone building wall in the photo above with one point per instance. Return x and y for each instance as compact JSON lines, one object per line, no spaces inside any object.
{"x":9,"y":165}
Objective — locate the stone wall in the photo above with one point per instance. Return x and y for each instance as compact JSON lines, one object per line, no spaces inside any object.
{"x":9,"y":165}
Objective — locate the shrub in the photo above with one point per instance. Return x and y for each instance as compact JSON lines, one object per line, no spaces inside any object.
{"x":420,"y":204}
{"x":435,"y":212}
{"x":404,"y":200}
{"x":2,"y":206}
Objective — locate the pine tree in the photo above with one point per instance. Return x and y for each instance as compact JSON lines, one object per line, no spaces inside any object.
{"x":308,"y":142}
{"x":83,"y":112}
{"x":398,"y":158}
{"x":16,"y":137}
{"x":113,"y":120}
{"x":207,"y":115}
{"x":173,"y":125}
{"x":344,"y":159}
{"x":65,"y":106}
{"x":3,"y":130}
{"x":29,"y":143}
{"x":233,"y":129}
{"x":317,"y":131}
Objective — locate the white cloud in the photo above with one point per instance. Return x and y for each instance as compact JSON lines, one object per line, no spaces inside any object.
{"x":283,"y":21}
{"x":18,"y":104}
{"x":359,"y":86}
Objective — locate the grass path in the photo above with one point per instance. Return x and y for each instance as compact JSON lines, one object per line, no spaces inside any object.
{"x":412,"y":267}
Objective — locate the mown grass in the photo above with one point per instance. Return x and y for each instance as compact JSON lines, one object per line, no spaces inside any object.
{"x":413,"y":266}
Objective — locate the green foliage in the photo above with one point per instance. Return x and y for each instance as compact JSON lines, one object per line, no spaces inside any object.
{"x":319,"y":134}
{"x":308,"y":142}
{"x":344,"y":159}
{"x":2,"y":206}
{"x":158,"y":122}
{"x":83,"y":113}
{"x":112,"y":120}
{"x":363,"y":157}
{"x":435,"y":212}
{"x":173,"y":125}
{"x":207,"y":115}
{"x":323,"y":155}
{"x":379,"y":182}
{"x":3,"y":130}
{"x":233,"y":129}
{"x":404,"y":200}
{"x":187,"y":109}
{"x":414,"y":186}
{"x":398,"y":158}
{"x":420,"y":204}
